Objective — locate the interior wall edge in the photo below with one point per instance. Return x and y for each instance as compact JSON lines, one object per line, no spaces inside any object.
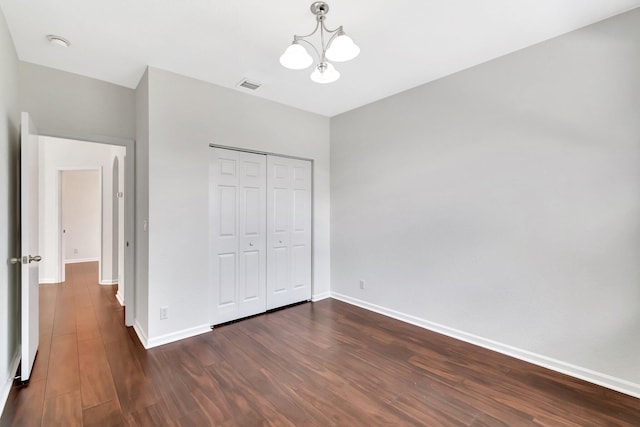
{"x":599,"y":378}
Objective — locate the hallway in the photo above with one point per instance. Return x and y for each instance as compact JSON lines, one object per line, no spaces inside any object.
{"x":84,"y":353}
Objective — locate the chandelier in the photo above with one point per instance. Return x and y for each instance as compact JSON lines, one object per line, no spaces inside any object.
{"x":338,"y":48}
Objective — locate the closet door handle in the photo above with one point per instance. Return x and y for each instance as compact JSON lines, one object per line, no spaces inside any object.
{"x":250,"y":243}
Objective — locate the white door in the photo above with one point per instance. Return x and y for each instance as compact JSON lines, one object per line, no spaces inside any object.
{"x":29,"y":244}
{"x":237,"y":209}
{"x":288,"y":231}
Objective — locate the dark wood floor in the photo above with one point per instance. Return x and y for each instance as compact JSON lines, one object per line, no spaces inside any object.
{"x":319,"y":364}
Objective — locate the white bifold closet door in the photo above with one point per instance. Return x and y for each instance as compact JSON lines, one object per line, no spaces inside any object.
{"x":260,"y":233}
{"x":288,"y":231}
{"x":238,"y":234}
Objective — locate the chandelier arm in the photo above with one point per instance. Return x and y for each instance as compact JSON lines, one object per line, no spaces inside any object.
{"x":328,"y":30}
{"x":310,"y":44}
{"x":311,"y":33}
{"x":333,"y":36}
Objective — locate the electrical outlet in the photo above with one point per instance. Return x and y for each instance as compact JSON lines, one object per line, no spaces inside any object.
{"x":361,"y":284}
{"x":164,"y":313}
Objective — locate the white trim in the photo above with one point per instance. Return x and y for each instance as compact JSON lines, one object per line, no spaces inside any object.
{"x":108,"y":282}
{"x":140,"y":332}
{"x":599,"y":378}
{"x":100,"y":191}
{"x":78,"y":260}
{"x":6,"y":387}
{"x":176,"y":336}
{"x":120,"y":298}
{"x":320,"y":296}
{"x":47,"y":281}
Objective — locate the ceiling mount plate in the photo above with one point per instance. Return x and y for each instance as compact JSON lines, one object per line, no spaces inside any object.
{"x":319,"y":8}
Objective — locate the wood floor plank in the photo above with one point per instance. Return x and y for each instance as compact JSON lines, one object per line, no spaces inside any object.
{"x":134,"y":389}
{"x":316,"y":364}
{"x":107,"y":414}
{"x":63,"y":374}
{"x":87,"y":327}
{"x":63,"y":410}
{"x":96,"y":380}
{"x":47,"y":295}
{"x":41,"y":364}
{"x":150,"y":416}
{"x":24,"y":405}
{"x":65,"y":317}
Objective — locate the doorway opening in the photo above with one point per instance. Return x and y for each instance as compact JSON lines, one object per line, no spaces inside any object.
{"x":80,"y":218}
{"x":88,"y":225}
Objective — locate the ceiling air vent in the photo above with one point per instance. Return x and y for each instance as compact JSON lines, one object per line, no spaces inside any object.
{"x":247,"y":84}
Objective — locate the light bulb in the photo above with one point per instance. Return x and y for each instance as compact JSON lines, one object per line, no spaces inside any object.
{"x":325,"y":73}
{"x":342,"y":49}
{"x":296,"y":57}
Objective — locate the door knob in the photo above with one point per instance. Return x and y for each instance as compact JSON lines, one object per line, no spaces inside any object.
{"x":250,"y":243}
{"x":36,"y":258}
{"x":14,"y":260}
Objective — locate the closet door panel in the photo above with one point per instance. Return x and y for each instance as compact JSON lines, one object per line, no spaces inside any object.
{"x":301,"y":231}
{"x":301,"y":266}
{"x":288,"y":231}
{"x":237,"y":234}
{"x":227,"y":277}
{"x":252,"y":243}
{"x":280,"y":268}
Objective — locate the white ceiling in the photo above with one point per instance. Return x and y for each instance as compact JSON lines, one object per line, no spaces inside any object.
{"x":404,"y":43}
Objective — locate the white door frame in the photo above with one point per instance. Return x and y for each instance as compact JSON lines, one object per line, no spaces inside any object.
{"x":129,"y":210}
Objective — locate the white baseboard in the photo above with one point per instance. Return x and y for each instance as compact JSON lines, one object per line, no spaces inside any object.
{"x":320,"y":296}
{"x":6,"y":386}
{"x":599,"y":378}
{"x":120,"y":298}
{"x":108,"y":282}
{"x":140,"y":333}
{"x":75,"y":261}
{"x":47,"y":281}
{"x":168,"y":338}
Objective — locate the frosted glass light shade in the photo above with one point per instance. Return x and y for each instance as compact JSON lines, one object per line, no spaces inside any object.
{"x":342,"y":49}
{"x":296,"y":57}
{"x":325,"y":73}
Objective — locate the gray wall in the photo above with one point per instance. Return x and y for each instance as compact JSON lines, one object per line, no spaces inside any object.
{"x":9,"y":130}
{"x":503,"y":203}
{"x":185,"y":116}
{"x":62,"y":103}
